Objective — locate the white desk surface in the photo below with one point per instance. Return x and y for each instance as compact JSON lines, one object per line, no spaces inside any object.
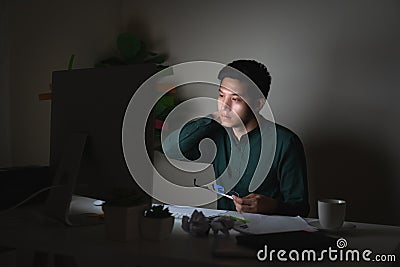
{"x":30,"y":230}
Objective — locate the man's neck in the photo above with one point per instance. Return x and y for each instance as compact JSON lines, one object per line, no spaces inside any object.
{"x":240,"y":131}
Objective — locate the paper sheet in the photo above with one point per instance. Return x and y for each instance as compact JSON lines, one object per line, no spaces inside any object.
{"x":180,"y":211}
{"x":258,"y":223}
{"x":265,"y":224}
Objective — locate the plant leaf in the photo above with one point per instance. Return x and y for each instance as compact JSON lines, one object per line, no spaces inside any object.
{"x":157,"y":59}
{"x":128,"y":45}
{"x":71,"y":62}
{"x":166,"y":71}
{"x":139,"y":58}
{"x":112,"y":61}
{"x":151,"y":53}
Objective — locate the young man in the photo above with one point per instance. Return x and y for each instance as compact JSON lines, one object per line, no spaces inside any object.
{"x":237,"y":131}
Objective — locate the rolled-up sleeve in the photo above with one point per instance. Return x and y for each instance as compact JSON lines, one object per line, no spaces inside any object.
{"x":184,"y":143}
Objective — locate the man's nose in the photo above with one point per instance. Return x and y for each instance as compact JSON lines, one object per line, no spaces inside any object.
{"x":226,"y":105}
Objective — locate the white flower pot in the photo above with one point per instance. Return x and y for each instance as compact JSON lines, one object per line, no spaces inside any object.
{"x":123,"y":223}
{"x":156,"y":228}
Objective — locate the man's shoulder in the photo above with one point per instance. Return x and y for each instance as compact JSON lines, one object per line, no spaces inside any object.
{"x":283,"y":134}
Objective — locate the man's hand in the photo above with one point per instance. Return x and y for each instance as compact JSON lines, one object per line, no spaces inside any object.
{"x":216,"y":117}
{"x":255,"y":203}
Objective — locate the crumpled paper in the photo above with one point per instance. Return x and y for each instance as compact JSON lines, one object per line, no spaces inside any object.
{"x":199,"y":225}
{"x":223,"y":224}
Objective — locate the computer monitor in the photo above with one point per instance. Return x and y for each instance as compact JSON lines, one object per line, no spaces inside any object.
{"x":88,"y":108}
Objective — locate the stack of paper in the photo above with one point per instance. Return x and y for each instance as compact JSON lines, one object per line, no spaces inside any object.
{"x":265,"y":224}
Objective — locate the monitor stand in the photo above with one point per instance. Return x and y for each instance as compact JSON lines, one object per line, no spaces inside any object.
{"x":60,"y":203}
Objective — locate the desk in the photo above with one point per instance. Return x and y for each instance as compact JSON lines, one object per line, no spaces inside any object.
{"x":27,"y":229}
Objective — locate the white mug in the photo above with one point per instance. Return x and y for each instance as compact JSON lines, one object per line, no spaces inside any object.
{"x":331,"y":213}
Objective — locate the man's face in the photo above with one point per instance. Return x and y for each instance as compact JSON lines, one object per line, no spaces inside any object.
{"x":233,"y":110}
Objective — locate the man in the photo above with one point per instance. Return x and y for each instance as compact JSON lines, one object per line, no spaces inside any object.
{"x":237,"y":131}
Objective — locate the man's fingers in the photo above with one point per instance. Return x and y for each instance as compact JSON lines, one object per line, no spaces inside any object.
{"x":237,"y":205}
{"x":244,"y":208}
{"x":252,"y":195}
{"x":243,"y":201}
{"x":247,"y":208}
{"x":216,"y":117}
{"x":255,"y":203}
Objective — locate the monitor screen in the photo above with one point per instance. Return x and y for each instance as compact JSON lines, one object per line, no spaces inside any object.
{"x":93,"y":102}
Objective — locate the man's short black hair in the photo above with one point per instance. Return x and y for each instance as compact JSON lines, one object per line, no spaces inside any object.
{"x":256,"y":71}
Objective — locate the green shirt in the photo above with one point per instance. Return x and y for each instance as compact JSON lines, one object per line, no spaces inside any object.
{"x":286,"y":180}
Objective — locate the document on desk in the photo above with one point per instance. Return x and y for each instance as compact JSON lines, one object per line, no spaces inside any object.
{"x":250,"y":223}
{"x":179,"y":211}
{"x":265,"y":224}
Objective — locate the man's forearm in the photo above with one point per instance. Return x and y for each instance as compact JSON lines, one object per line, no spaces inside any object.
{"x":183,"y":144}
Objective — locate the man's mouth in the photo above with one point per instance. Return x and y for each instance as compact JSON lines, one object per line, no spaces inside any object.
{"x":225,"y":117}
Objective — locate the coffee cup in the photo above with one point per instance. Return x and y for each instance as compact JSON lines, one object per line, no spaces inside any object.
{"x":331,"y":213}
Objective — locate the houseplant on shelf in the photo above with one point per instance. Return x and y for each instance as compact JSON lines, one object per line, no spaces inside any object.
{"x":132,"y":50}
{"x":157,"y":223}
{"x":122,"y":215}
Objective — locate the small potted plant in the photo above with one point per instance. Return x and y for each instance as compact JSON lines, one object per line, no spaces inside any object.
{"x":122,"y":215}
{"x":157,"y":223}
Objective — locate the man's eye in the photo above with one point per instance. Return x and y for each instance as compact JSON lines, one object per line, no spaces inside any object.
{"x":236,"y":99}
{"x":221,"y":95}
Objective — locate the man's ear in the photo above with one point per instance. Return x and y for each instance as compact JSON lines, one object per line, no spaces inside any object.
{"x":260,"y":102}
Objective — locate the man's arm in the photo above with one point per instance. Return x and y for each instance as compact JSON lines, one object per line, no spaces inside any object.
{"x":184,"y":143}
{"x":292,"y":176}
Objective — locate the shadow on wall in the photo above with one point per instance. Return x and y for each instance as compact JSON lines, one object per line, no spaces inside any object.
{"x":356,"y":172}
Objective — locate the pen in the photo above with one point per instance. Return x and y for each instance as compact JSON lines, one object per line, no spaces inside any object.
{"x":212,"y":190}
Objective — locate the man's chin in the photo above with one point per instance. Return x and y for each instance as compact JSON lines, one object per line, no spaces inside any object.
{"x":227,"y":124}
